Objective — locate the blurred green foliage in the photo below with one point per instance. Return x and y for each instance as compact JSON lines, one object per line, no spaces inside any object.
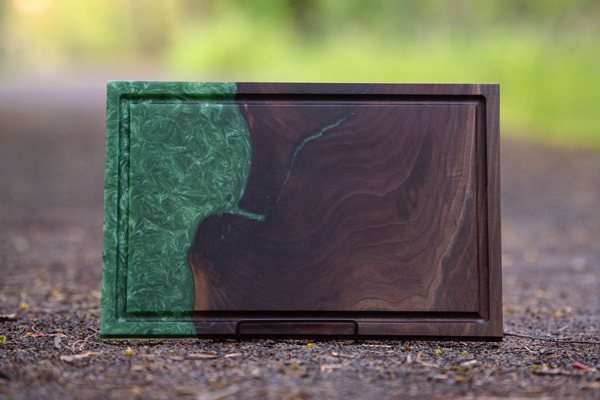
{"x":545,"y":54}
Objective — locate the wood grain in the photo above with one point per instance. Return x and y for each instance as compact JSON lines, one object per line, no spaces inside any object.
{"x":375,"y":207}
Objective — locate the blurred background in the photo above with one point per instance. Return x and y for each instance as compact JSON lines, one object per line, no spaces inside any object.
{"x":544,"y":53}
{"x":56,"y":55}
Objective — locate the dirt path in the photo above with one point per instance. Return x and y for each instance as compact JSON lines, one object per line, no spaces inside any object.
{"x":50,"y":244}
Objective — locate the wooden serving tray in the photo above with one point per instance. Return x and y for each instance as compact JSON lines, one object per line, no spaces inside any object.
{"x":256,"y":209}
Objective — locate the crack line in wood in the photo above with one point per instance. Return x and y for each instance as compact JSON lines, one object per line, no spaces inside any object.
{"x":300,"y":146}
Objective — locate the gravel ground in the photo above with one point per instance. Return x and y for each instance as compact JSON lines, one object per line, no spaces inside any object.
{"x":50,"y":264}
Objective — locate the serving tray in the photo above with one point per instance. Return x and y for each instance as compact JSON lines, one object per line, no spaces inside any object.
{"x":253,"y":209}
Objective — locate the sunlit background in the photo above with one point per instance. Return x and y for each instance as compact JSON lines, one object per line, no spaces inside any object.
{"x":56,"y":55}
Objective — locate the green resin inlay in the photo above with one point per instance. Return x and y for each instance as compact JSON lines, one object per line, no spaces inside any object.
{"x":175,"y":154}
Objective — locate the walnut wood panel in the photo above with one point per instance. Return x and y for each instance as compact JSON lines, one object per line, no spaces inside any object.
{"x":375,"y":208}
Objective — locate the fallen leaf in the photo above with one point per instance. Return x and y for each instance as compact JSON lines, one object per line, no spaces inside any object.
{"x":187,"y":391}
{"x":310,"y":345}
{"x":24,"y":306}
{"x":128,"y":352}
{"x":74,"y":357}
{"x":437,"y":352}
{"x":2,"y":339}
{"x":582,"y":366}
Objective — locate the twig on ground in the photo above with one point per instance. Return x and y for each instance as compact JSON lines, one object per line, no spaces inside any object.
{"x":549,"y":339}
{"x":74,"y":344}
{"x":35,"y":330}
{"x":556,"y":371}
{"x":340,"y":355}
{"x":202,"y":356}
{"x":529,"y":350}
{"x":81,"y":343}
{"x":74,"y":357}
{"x":425,"y":363}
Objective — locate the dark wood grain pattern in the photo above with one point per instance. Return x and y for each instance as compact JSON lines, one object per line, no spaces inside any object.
{"x":375,"y":210}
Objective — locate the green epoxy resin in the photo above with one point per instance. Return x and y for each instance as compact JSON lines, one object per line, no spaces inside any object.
{"x":176,"y":153}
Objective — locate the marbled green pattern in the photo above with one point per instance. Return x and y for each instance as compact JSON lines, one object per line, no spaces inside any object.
{"x":176,"y":153}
